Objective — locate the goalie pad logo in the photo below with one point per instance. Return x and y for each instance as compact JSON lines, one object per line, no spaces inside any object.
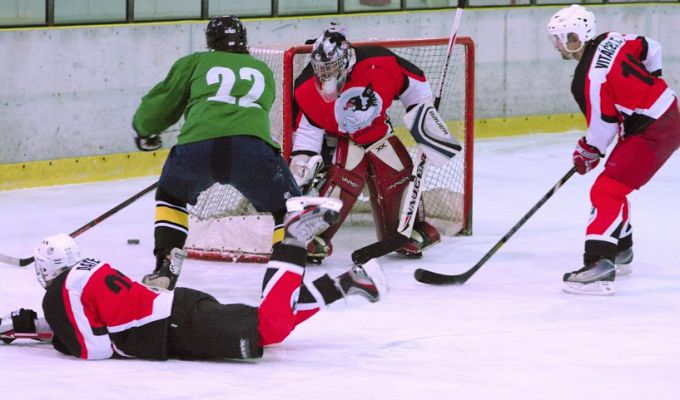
{"x":415,"y":196}
{"x":431,"y":132}
{"x":356,"y":108}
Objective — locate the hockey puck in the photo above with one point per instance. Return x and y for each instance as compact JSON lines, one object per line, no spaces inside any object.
{"x":133,"y":241}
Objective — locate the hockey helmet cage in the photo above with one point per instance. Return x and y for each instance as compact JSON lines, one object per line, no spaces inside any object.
{"x":226,"y":33}
{"x":574,"y":19}
{"x":54,"y":255}
{"x":332,"y":58}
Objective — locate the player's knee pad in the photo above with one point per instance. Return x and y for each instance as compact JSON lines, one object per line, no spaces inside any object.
{"x":609,"y":189}
{"x":609,"y":201}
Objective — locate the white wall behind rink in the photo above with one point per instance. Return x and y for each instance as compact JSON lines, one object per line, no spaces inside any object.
{"x":70,"y":92}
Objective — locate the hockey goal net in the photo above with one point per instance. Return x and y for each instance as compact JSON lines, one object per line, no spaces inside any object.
{"x":225,"y":226}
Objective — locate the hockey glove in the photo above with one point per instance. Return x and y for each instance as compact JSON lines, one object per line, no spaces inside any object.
{"x":148,"y":143}
{"x":23,"y":320}
{"x":586,"y":157}
{"x":304,"y":168}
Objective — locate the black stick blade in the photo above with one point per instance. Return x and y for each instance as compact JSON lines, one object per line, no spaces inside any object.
{"x":434,"y":278}
{"x":379,"y":249}
{"x":26,"y":261}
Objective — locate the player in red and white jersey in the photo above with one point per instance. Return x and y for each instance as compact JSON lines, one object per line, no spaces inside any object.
{"x":341,"y":121}
{"x":94,"y":311}
{"x":618,"y":86}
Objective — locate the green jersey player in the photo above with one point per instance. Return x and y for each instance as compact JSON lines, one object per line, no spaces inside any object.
{"x":225,"y":96}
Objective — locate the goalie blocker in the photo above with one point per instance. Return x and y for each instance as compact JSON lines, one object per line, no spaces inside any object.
{"x":429,"y":130}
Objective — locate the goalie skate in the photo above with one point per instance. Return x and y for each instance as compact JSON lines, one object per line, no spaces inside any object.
{"x":318,"y":249}
{"x":423,"y":236}
{"x":623,"y":262}
{"x":593,"y":279}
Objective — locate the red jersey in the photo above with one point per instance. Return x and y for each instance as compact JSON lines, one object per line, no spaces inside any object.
{"x":360,"y":112}
{"x":618,"y":87}
{"x":95,"y":310}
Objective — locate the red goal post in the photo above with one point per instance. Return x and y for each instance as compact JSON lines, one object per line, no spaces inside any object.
{"x":223,"y":224}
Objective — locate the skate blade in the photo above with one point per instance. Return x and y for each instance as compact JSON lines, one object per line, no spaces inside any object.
{"x":375,"y":271}
{"x":597,"y":288}
{"x":299,"y":203}
{"x":624,"y":269}
{"x":156,"y":282}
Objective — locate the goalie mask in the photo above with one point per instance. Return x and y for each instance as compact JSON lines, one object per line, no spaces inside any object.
{"x":569,"y":21}
{"x":53,"y":256}
{"x":332,"y":58}
{"x":226,"y":33}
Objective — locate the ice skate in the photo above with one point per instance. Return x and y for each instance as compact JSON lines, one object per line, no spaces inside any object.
{"x":308,"y":216}
{"x":318,"y":249}
{"x":423,"y":236}
{"x":166,"y":274}
{"x":367,"y":281}
{"x":596,"y":278}
{"x":623,"y":262}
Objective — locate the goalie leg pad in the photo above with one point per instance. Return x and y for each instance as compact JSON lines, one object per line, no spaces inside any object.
{"x":389,"y":173}
{"x":345,"y":180}
{"x":429,"y":130}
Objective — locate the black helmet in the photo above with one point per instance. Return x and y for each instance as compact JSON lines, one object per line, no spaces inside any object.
{"x":226,"y":33}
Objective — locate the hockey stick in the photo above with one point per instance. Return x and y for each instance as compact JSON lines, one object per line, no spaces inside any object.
{"x":434,"y":278}
{"x":412,"y":193}
{"x":22,"y":262}
{"x":43,"y":332}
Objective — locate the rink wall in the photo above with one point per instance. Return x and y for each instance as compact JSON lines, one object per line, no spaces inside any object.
{"x":67,"y":94}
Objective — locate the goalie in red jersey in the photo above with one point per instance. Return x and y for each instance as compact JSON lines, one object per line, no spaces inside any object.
{"x":618,"y":86}
{"x":343,"y":134}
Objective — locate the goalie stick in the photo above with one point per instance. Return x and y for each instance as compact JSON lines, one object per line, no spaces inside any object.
{"x":434,"y":278}
{"x":22,"y":262}
{"x":412,"y":193}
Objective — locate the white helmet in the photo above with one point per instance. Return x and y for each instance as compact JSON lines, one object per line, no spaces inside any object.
{"x":54,"y":255}
{"x":332,"y":58}
{"x":573,"y":19}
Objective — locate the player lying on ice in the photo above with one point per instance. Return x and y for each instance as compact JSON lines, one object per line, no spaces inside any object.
{"x":96,"y":312}
{"x":343,"y":138}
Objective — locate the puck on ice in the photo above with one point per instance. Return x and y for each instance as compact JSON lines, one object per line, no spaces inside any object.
{"x":133,"y":241}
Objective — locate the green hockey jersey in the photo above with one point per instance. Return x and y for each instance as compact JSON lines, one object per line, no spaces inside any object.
{"x":220,"y":93}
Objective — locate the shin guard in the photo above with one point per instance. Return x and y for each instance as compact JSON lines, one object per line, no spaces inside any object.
{"x":171,"y":226}
{"x":609,"y":214}
{"x":280,"y":291}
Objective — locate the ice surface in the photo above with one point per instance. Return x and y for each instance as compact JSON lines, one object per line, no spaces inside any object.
{"x":508,"y":333}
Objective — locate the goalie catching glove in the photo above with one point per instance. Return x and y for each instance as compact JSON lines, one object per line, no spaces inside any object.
{"x":429,"y":130}
{"x":304,"y":168}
